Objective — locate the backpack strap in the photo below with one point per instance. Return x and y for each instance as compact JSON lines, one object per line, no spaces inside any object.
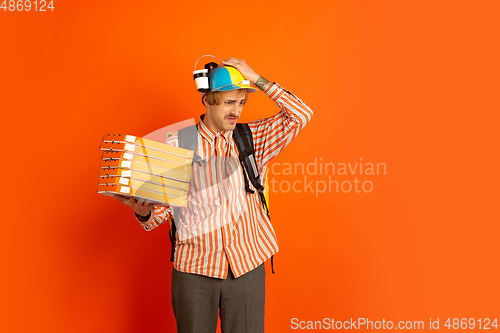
{"x":171,"y":234}
{"x":188,"y":139}
{"x":242,"y":136}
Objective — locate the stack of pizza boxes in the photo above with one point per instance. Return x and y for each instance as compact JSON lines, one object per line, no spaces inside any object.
{"x":133,"y":166}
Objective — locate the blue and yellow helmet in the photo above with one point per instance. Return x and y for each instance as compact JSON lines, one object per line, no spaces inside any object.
{"x":228,"y":78}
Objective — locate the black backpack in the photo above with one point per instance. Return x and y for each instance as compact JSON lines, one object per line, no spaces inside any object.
{"x":242,"y":136}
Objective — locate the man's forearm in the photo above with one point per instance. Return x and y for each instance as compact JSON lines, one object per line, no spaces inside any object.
{"x":262,"y":84}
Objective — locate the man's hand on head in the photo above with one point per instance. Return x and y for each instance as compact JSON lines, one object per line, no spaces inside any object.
{"x":242,"y":66}
{"x":142,"y":207}
{"x":248,"y":73}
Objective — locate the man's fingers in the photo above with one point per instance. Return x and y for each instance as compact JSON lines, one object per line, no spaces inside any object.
{"x":140,"y":205}
{"x":143,"y":202}
{"x":122,"y":198}
{"x":233,"y":62}
{"x":243,"y":67}
{"x":136,"y":202}
{"x":149,"y":203}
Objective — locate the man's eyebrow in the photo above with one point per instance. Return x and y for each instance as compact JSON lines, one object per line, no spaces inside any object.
{"x":233,"y":100}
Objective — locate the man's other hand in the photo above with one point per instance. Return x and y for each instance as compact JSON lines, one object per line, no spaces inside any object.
{"x":142,"y":206}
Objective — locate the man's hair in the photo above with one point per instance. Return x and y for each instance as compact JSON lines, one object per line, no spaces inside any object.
{"x":214,"y":97}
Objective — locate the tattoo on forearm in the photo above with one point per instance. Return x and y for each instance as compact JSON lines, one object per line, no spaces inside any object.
{"x":261,"y":83}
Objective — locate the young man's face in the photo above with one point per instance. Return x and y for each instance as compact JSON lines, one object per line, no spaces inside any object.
{"x":223,"y":117}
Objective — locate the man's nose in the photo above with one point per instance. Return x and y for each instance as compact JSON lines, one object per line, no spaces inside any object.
{"x":237,"y":109}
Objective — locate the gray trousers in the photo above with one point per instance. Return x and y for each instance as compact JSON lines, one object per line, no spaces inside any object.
{"x":196,"y":300}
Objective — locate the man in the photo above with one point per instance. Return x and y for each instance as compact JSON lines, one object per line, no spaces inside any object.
{"x":224,"y":235}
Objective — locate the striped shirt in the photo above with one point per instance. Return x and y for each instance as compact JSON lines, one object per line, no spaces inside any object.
{"x":223,"y":224}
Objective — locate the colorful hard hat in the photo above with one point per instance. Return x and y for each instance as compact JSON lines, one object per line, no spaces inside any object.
{"x":228,"y":78}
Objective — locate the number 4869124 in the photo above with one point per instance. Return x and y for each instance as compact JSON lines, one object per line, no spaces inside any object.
{"x":27,"y":5}
{"x":470,"y":323}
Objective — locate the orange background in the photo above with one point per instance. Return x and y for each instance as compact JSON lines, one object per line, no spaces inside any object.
{"x":412,"y":84}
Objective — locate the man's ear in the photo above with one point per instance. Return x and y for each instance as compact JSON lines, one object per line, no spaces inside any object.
{"x":204,"y":101}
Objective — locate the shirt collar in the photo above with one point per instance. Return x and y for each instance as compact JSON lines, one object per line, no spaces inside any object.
{"x":209,"y":133}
